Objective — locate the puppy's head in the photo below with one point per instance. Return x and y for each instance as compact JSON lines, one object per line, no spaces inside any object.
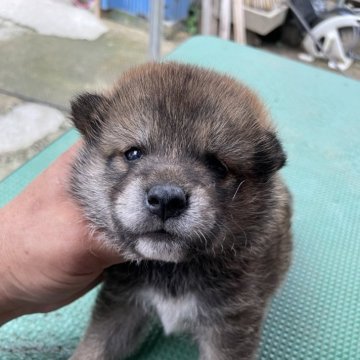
{"x":178,"y":161}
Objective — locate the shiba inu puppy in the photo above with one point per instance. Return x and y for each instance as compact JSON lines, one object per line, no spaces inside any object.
{"x":179,"y":174}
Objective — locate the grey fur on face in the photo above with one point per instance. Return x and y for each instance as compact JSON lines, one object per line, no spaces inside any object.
{"x":179,"y":174}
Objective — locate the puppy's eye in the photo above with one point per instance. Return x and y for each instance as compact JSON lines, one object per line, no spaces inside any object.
{"x":215,"y":165}
{"x":133,"y":154}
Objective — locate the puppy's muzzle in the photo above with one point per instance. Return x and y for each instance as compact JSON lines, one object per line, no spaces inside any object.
{"x":166,"y":201}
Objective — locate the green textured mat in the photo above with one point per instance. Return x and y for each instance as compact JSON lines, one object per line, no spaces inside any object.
{"x":316,"y":315}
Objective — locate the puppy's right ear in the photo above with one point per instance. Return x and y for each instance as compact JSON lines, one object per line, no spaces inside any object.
{"x":88,"y":112}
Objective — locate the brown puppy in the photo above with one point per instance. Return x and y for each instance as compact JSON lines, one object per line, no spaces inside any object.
{"x":178,"y":173}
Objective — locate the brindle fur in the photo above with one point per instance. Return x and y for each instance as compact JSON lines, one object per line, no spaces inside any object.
{"x":227,"y":254}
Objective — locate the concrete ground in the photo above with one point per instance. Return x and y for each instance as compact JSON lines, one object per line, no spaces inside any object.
{"x":51,"y":70}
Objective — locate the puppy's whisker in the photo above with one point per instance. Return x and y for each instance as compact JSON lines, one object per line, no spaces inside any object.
{"x":237,"y":189}
{"x":204,"y":237}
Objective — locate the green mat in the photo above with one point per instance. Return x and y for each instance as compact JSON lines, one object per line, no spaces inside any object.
{"x":316,"y":315}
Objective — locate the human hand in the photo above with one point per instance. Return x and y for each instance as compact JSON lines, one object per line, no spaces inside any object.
{"x":47,"y":256}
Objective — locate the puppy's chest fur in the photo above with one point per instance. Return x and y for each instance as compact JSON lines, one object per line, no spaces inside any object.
{"x":175,"y":313}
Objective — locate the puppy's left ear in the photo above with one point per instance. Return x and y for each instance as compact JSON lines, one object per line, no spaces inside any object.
{"x":269,"y":156}
{"x":88,"y":113}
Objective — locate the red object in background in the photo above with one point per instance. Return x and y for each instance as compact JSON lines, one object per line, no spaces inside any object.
{"x":85,"y":4}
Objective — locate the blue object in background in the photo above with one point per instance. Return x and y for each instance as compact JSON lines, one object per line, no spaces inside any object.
{"x":175,"y":10}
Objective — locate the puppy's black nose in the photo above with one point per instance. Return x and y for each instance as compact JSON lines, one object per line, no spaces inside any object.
{"x":166,"y":201}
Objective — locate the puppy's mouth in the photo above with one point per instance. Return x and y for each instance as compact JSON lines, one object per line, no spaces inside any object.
{"x":159,"y":245}
{"x":159,"y":235}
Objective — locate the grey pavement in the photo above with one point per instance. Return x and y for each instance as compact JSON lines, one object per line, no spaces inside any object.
{"x":52,"y":70}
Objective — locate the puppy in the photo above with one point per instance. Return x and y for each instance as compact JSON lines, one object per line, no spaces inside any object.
{"x":179,"y":174}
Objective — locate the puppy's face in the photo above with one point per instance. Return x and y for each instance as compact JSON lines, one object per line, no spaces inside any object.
{"x":177,"y":162}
